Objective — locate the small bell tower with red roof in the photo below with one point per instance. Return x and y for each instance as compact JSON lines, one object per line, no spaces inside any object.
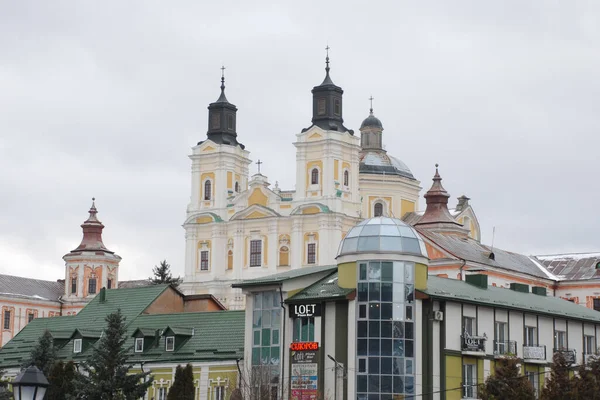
{"x":90,"y":266}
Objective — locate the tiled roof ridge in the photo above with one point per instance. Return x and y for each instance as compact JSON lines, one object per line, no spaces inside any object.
{"x":58,"y":281}
{"x":591,"y":253}
{"x":315,"y":283}
{"x":188,"y":313}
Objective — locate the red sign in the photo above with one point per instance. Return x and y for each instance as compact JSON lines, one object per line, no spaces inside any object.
{"x":304,"y":346}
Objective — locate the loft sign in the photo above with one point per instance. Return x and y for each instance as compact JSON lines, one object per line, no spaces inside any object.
{"x":305,"y":310}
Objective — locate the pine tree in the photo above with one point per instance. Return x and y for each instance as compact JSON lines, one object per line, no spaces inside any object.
{"x":183,"y":386}
{"x":5,"y":394}
{"x":106,"y":369}
{"x":585,"y":384}
{"x":61,"y":381}
{"x":162,"y":274}
{"x":506,"y":383}
{"x":43,"y":355}
{"x":559,"y":386}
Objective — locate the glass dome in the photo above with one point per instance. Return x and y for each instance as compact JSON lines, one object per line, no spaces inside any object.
{"x":382,"y":235}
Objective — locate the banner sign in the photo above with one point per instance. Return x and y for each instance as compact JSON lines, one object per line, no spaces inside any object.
{"x":305,"y":310}
{"x":304,"y":346}
{"x":304,"y":374}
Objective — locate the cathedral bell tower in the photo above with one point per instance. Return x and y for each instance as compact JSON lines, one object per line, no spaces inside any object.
{"x":90,"y":266}
{"x":222,"y":119}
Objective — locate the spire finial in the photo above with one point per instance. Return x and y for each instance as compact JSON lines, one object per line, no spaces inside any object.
{"x":371,"y":100}
{"x":327,"y":59}
{"x":222,"y":78}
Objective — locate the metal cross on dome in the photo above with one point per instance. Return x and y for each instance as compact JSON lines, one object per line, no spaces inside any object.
{"x":259,"y":164}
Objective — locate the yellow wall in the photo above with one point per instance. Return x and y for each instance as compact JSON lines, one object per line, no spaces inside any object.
{"x":204,"y":219}
{"x":336,"y":169}
{"x":347,"y":275}
{"x":229,"y":180}
{"x":405,"y":207}
{"x":420,"y":276}
{"x":203,"y":178}
{"x":309,"y":167}
{"x":311,"y":210}
{"x":453,"y":377}
{"x":258,"y":197}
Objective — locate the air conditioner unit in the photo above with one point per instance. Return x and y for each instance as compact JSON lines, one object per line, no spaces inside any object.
{"x":438,"y":316}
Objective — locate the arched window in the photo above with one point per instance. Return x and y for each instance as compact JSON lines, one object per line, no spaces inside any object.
{"x":237,"y":187}
{"x":346,"y":178}
{"x":207,"y":190}
{"x":284,"y":256}
{"x":378,"y":210}
{"x":230,"y":259}
{"x":314,"y":177}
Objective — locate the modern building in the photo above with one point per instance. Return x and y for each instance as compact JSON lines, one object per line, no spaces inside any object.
{"x":165,"y":329}
{"x":88,"y":268}
{"x":379,"y":326}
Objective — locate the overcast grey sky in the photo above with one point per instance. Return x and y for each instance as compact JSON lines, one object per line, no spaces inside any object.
{"x":107,"y":98}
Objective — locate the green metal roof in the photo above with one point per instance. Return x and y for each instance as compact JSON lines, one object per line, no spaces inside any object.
{"x":90,"y":320}
{"x":284,"y":276}
{"x":217,"y":335}
{"x":460,"y":291}
{"x":144,"y":331}
{"x":325,"y":289}
{"x":178,"y":331}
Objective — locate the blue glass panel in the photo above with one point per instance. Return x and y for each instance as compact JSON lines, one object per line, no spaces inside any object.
{"x":409,"y":330}
{"x":266,"y":318}
{"x":361,"y":383}
{"x":369,"y":243}
{"x":398,"y":330}
{"x":398,"y":350}
{"x":409,"y":384}
{"x":387,"y":271}
{"x":409,"y":348}
{"x":408,"y":314}
{"x":276,"y":317}
{"x":389,"y":230}
{"x":362,"y":329}
{"x":387,"y":290}
{"x":374,"y":384}
{"x":373,"y":347}
{"x":390,"y":243}
{"x":363,"y":291}
{"x":398,"y":384}
{"x":409,"y":269}
{"x":386,"y":311}
{"x":275,"y":355}
{"x":386,"y":365}
{"x":409,"y":293}
{"x":257,"y":301}
{"x":374,"y":291}
{"x":398,"y":366}
{"x":386,"y":384}
{"x":256,"y":340}
{"x":386,"y":329}
{"x":373,"y":365}
{"x":362,"y":272}
{"x":354,"y":232}
{"x":370,"y":230}
{"x":398,"y":271}
{"x":410,"y":245}
{"x":256,"y":316}
{"x":350,"y":245}
{"x":266,"y":337}
{"x":361,"y":347}
{"x":374,"y":329}
{"x":409,"y":367}
{"x":386,"y":347}
{"x":267,"y":300}
{"x":406,"y":232}
{"x":256,"y":356}
{"x":374,"y":311}
{"x":265,"y":355}
{"x":375,"y":271}
{"x":275,"y":335}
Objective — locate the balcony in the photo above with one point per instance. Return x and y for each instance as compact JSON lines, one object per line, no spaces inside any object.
{"x":534,"y":354}
{"x":569,"y":354}
{"x":473,"y":345}
{"x":587,"y":357}
{"x":503,"y":348}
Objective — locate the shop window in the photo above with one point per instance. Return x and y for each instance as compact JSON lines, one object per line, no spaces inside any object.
{"x":255,"y":253}
{"x":470,"y":381}
{"x":311,"y":257}
{"x":304,"y":329}
{"x":204,"y":260}
{"x":92,"y":286}
{"x":314,"y":176}
{"x":207,"y":190}
{"x":170,"y":343}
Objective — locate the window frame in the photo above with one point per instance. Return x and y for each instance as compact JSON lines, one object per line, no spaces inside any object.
{"x":337,"y":107}
{"x":77,"y":346}
{"x":30,"y":317}
{"x":95,"y":286}
{"x":469,"y":387}
{"x":526,"y":331}
{"x":596,"y":304}
{"x":314,"y":176}
{"x":218,"y":392}
{"x":321,"y":106}
{"x":172,"y":340}
{"x":255,"y":253}
{"x":472,"y":324}
{"x":73,"y":285}
{"x":346,"y":178}
{"x":162,"y":393}
{"x":135,"y":346}
{"x":6,"y":320}
{"x":109,"y":283}
{"x":376,"y":205}
{"x":207,"y":190}
{"x":560,"y":340}
{"x":311,"y":253}
{"x":204,"y":260}
{"x":589,"y":347}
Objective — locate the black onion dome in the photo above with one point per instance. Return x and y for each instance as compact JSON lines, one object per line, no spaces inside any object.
{"x":371,"y":122}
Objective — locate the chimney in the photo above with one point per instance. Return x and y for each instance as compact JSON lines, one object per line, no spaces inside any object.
{"x":463,"y":202}
{"x":102,"y":295}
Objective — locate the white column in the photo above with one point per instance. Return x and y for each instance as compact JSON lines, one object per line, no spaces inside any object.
{"x":273,"y":251}
{"x":297,"y":245}
{"x":203,"y":383}
{"x":329,"y":349}
{"x":238,"y":250}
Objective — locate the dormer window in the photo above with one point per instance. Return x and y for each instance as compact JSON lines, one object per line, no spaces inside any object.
{"x":170,"y":343}
{"x":321,"y":109}
{"x":77,"y":345}
{"x":139,"y":345}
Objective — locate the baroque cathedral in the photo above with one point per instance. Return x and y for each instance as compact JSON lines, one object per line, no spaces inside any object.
{"x":240,"y":227}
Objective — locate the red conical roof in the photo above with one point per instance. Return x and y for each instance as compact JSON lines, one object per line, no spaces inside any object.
{"x":437,"y":204}
{"x":92,"y":233}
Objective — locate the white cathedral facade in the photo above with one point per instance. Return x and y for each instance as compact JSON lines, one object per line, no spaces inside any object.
{"x":240,"y":227}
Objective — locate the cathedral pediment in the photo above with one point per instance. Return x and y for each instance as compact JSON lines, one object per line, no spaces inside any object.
{"x":255,"y":211}
{"x":203,"y":218}
{"x":311,"y":208}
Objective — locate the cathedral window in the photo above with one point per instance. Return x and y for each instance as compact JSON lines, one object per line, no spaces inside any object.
{"x":337,"y":107}
{"x":230,"y":124}
{"x":73,"y":285}
{"x":92,"y":286}
{"x":255,"y":253}
{"x":314,"y":176}
{"x":230,"y":259}
{"x":30,"y":317}
{"x":346,"y":178}
{"x":204,"y":260}
{"x":207,"y":189}
{"x":7,"y":320}
{"x":284,"y":256}
{"x":215,"y":121}
{"x":311,"y":257}
{"x":109,"y":283}
{"x":378,"y":210}
{"x":321,"y":110}
{"x":237,"y":187}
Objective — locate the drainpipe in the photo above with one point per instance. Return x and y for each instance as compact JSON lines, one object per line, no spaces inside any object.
{"x":461,"y":269}
{"x":237,"y":361}
{"x":282,"y":343}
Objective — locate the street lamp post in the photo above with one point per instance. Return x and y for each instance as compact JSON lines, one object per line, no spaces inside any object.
{"x":335,"y":384}
{"x":30,"y":384}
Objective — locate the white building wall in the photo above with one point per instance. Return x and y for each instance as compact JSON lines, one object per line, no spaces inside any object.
{"x":453,"y":324}
{"x":575,"y":339}
{"x":515,"y":327}
{"x":485,"y":325}
{"x":436,"y":356}
{"x":351,"y":350}
{"x":329,"y":348}
{"x":546,"y":335}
